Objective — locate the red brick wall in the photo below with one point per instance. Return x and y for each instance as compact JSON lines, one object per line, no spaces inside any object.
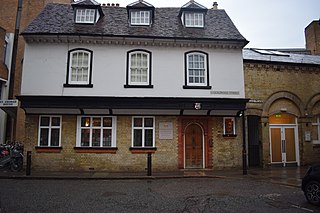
{"x":8,"y":11}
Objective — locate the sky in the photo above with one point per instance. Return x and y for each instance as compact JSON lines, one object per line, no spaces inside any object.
{"x":264,"y":23}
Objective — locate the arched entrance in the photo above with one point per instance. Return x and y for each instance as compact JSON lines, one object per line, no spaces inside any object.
{"x":284,"y":139}
{"x":194,"y":157}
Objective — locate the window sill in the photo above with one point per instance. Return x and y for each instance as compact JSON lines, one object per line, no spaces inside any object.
{"x":138,"y":150}
{"x":48,"y":149}
{"x":196,"y":87}
{"x":111,"y":150}
{"x":230,"y":136}
{"x":78,"y":85}
{"x":138,"y":86}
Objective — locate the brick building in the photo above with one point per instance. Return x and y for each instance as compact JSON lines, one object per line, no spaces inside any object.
{"x":282,"y":88}
{"x":283,"y":111}
{"x":8,"y":13}
{"x":312,"y":32}
{"x":120,"y":82}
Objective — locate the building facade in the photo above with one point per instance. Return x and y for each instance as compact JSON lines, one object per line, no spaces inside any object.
{"x":283,"y":111}
{"x":8,"y":14}
{"x":118,"y":83}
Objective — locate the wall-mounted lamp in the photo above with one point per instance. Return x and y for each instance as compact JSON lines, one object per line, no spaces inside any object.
{"x":197,"y":106}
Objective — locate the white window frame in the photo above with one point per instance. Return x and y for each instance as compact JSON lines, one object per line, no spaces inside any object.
{"x":317,"y":126}
{"x":131,"y":68}
{"x":143,"y":128}
{"x":50,"y":127}
{"x":197,"y":69}
{"x":80,"y":66}
{"x":140,"y":17}
{"x":193,"y":19}
{"x":113,"y":129}
{"x":85,"y":16}
{"x":233,"y":123}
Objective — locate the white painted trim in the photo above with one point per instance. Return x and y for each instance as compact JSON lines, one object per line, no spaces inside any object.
{"x":50,"y":128}
{"x":113,"y":130}
{"x":282,"y":128}
{"x":143,"y":128}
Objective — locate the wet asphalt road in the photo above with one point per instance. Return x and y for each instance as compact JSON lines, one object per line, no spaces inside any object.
{"x":161,"y":195}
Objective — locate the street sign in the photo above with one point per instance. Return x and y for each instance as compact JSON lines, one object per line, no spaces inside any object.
{"x":8,"y":103}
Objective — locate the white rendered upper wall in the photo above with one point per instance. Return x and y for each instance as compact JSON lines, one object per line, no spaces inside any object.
{"x":45,"y":70}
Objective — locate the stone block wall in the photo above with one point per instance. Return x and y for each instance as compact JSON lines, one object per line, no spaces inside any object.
{"x":293,"y":88}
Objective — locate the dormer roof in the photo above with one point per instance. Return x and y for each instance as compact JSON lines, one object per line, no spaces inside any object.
{"x":88,"y":4}
{"x":58,"y":19}
{"x":193,"y":5}
{"x":85,"y":2}
{"x":140,"y":4}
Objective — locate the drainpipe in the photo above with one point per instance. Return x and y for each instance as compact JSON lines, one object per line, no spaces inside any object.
{"x":13,"y":64}
{"x":244,"y":147}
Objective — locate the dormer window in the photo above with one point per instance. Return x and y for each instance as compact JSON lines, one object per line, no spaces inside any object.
{"x":193,"y":19}
{"x":140,"y":17}
{"x":87,"y":11}
{"x":85,"y":15}
{"x":140,"y":13}
{"x":192,"y":14}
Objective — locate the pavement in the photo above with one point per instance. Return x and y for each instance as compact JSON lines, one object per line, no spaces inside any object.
{"x":290,"y":176}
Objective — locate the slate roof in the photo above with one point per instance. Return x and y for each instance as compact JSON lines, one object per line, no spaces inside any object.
{"x":58,"y":19}
{"x":254,"y":55}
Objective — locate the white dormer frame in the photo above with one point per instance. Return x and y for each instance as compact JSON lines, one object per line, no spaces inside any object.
{"x":85,"y":15}
{"x":193,"y":19}
{"x":87,"y":12}
{"x":192,"y":14}
{"x":140,"y":13}
{"x":140,"y":17}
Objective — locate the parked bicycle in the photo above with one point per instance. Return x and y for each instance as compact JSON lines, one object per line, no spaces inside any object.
{"x":11,"y":156}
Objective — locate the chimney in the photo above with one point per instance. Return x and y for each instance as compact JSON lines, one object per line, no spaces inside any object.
{"x":215,"y":5}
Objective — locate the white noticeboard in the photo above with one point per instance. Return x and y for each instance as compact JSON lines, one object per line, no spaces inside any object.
{"x":165,"y":130}
{"x":8,"y":103}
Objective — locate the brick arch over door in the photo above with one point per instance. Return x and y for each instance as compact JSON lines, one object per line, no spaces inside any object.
{"x":282,"y":95}
{"x":312,"y":102}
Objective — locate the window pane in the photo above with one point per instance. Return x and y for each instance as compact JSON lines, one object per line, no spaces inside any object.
{"x":44,"y":134}
{"x":107,"y":137}
{"x":96,"y":133}
{"x":55,"y":135}
{"x":315,"y":132}
{"x":137,"y":122}
{"x":148,"y":137}
{"x":96,"y":121}
{"x":55,"y":121}
{"x":85,"y":137}
{"x":107,"y":122}
{"x":148,"y":122}
{"x":137,"y":137}
{"x":85,"y":121}
{"x":44,"y":121}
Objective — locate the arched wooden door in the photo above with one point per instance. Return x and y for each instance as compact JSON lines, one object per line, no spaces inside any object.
{"x":193,"y":146}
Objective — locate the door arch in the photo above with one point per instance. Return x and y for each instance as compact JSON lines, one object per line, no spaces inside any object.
{"x":194,"y":146}
{"x":284,"y":144}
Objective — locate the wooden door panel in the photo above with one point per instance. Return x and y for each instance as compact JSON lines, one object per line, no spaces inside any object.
{"x":290,"y":145}
{"x":276,"y":145}
{"x":193,"y":147}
